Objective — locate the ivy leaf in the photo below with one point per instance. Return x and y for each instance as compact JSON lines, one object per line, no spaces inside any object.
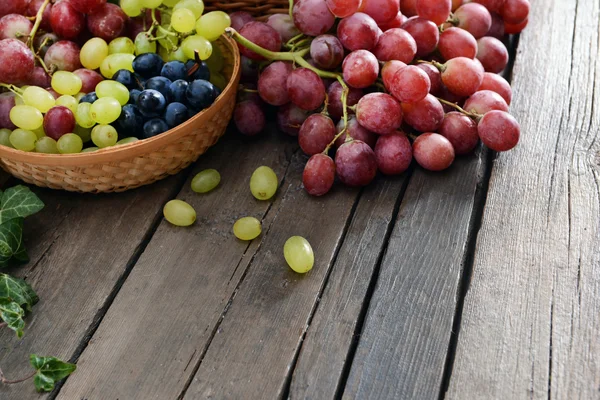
{"x":49,"y":371}
{"x":12,"y":313}
{"x":18,"y":202}
{"x":11,"y":240}
{"x":17,"y":290}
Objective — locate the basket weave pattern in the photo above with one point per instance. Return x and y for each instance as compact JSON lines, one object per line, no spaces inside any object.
{"x":125,"y":167}
{"x":260,"y":9}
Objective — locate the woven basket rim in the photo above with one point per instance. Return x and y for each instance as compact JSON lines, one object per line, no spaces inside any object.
{"x":130,"y":150}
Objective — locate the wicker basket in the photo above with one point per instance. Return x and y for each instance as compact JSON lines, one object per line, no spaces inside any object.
{"x":125,"y":167}
{"x":260,"y":9}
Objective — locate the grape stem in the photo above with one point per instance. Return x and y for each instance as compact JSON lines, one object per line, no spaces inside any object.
{"x":436,"y":64}
{"x":453,"y":19}
{"x":345,"y":107}
{"x":36,"y":25}
{"x":12,"y":88}
{"x":10,"y":382}
{"x":475,"y":116}
{"x":290,"y":42}
{"x":291,"y":9}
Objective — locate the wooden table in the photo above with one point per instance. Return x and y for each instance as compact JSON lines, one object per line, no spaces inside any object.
{"x":477,"y":283}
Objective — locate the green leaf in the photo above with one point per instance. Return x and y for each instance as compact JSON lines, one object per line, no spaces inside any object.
{"x":12,"y":313}
{"x":17,"y":290}
{"x":18,"y":202}
{"x":11,"y":240}
{"x":49,"y":371}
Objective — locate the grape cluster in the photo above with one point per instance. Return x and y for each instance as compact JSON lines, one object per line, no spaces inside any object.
{"x":89,"y":74}
{"x":380,"y":82}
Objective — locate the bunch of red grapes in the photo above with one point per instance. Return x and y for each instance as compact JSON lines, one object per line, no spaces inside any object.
{"x":380,"y":82}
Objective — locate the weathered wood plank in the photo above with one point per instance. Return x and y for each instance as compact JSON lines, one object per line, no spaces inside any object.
{"x":325,"y":352}
{"x":531,"y":320}
{"x":255,"y":346}
{"x":157,"y":328}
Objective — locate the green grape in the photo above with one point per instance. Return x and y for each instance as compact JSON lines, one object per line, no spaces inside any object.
{"x":143,"y":44}
{"x":39,"y":98}
{"x":196,"y":43}
{"x":121,"y":45}
{"x":212,"y":25}
{"x":263,"y":183}
{"x":90,"y":149}
{"x":247,"y":228}
{"x":68,"y":101}
{"x":179,"y":213}
{"x":177,"y":55}
{"x":84,"y":133}
{"x":46,"y":145}
{"x":93,"y":52}
{"x":69,"y":143}
{"x":128,"y":140}
{"x":216,"y":62}
{"x":105,"y":111}
{"x":114,"y":62}
{"x":298,"y":254}
{"x":163,"y":53}
{"x":170,"y":42}
{"x":206,"y":180}
{"x":19,"y":100}
{"x":170,"y":3}
{"x":26,"y":117}
{"x":132,"y":8}
{"x":113,"y":89}
{"x":39,"y":132}
{"x":217,"y":79}
{"x":78,"y":96}
{"x":65,"y":82}
{"x":22,"y":139}
{"x":195,"y":6}
{"x":104,"y":136}
{"x":5,"y":137}
{"x":83,"y":115}
{"x":150,"y":3}
{"x":183,"y":20}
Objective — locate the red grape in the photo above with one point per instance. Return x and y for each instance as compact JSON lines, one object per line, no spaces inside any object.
{"x":53,"y":92}
{"x":355,"y":163}
{"x":316,"y":133}
{"x":408,"y":7}
{"x":7,"y":102}
{"x":499,"y":130}
{"x":284,"y":25}
{"x":107,"y":22}
{"x":261,"y":34}
{"x":435,"y":78}
{"x":360,"y":69}
{"x":357,"y":132}
{"x":474,"y":18}
{"x":343,"y":8}
{"x":456,"y":4}
{"x":461,"y":131}
{"x":319,"y":175}
{"x":250,"y":69}
{"x":380,"y":10}
{"x":272,"y":83}
{"x":47,"y":39}
{"x":64,"y":55}
{"x":290,"y":118}
{"x":425,"y":33}
{"x":39,"y":77}
{"x":89,"y":79}
{"x":58,"y":121}
{"x":512,"y":29}
{"x":14,"y":26}
{"x":425,"y":115}
{"x":358,"y":31}
{"x":498,"y":84}
{"x":334,"y":99}
{"x":396,"y":22}
{"x":327,"y":52}
{"x":393,"y":154}
{"x":492,"y":5}
{"x":483,"y":101}
{"x":389,"y":70}
{"x":462,"y":76}
{"x":396,"y":44}
{"x":306,"y":89}
{"x":312,"y":17}
{"x":13,"y":7}
{"x":436,"y":11}
{"x":515,"y":11}
{"x":87,"y":6}
{"x":497,"y":28}
{"x":457,"y":42}
{"x":433,"y":152}
{"x":65,"y":21}
{"x":17,"y":61}
{"x":379,"y":113}
{"x":492,"y":54}
{"x":410,"y":84}
{"x":249,"y":118}
{"x":32,"y":10}
{"x":240,"y":18}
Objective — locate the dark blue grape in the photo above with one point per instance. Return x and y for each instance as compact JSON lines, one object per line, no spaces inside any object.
{"x":133,"y":96}
{"x":175,"y":114}
{"x":177,"y":91}
{"x":89,"y":98}
{"x":200,"y":94}
{"x":174,"y":70}
{"x":159,"y":83}
{"x":130,"y":122}
{"x":148,"y":65}
{"x":127,"y":78}
{"x":154,"y":127}
{"x":151,"y":103}
{"x":201,"y":73}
